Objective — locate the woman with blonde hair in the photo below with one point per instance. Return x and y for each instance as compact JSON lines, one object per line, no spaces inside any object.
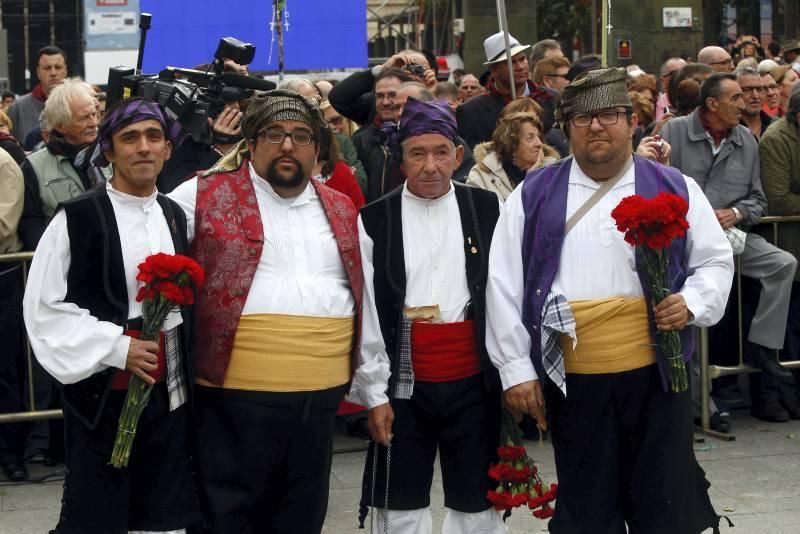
{"x":517,"y":147}
{"x":7,"y":141}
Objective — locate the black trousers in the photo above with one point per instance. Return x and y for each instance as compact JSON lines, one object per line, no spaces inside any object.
{"x":624,"y":455}
{"x":155,"y":492}
{"x":460,"y":419}
{"x":264,"y":459}
{"x":12,"y":360}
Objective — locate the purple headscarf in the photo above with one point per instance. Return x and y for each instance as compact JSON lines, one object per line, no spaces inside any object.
{"x":420,"y":118}
{"x":136,"y":110}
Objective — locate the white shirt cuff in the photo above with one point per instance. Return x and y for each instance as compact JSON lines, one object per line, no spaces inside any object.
{"x":694,"y":302}
{"x":119,"y":354}
{"x":371,"y":395}
{"x":516,"y":372}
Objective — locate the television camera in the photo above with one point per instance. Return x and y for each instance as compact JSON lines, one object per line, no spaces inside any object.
{"x":190,"y":96}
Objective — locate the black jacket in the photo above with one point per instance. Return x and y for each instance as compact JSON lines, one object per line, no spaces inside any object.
{"x":477,"y":118}
{"x":96,"y":282}
{"x":382,"y":220}
{"x":353,"y":98}
{"x":382,"y":163}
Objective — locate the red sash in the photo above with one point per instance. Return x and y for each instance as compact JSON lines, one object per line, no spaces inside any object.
{"x":443,"y":352}
{"x":123,"y":376}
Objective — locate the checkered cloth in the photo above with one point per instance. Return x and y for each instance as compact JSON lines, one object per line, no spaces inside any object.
{"x":404,"y":381}
{"x":557,"y":319}
{"x":176,"y":385}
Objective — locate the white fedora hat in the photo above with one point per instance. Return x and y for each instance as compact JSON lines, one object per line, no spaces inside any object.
{"x":495,"y":47}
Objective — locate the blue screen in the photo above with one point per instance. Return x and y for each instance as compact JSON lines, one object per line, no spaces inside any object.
{"x":322,"y":34}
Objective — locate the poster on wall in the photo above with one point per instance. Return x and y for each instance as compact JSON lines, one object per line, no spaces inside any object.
{"x":677,"y":17}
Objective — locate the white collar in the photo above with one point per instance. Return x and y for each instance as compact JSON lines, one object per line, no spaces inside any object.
{"x":428,"y":201}
{"x":308,"y":194}
{"x":577,"y":176}
{"x":132,"y":200}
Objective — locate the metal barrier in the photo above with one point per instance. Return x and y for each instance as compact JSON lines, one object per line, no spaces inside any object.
{"x":708,"y":371}
{"x":22,"y":258}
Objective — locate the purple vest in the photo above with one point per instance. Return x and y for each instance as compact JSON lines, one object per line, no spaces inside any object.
{"x":544,"y":199}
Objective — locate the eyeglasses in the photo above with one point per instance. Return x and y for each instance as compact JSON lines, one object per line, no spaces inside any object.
{"x":606,"y":118}
{"x":753,"y":89}
{"x":298,"y":137}
{"x":728,"y":61}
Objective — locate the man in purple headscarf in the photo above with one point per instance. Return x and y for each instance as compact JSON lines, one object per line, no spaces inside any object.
{"x":82,"y":317}
{"x":425,"y":250}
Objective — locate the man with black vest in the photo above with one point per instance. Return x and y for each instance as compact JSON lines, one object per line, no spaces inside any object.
{"x":81,"y":312}
{"x":424,"y":248}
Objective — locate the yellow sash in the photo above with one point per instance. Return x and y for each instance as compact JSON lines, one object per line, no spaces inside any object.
{"x":613,"y":336}
{"x":273,"y":352}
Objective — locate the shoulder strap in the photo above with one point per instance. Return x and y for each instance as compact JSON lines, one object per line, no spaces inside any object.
{"x":595,"y":198}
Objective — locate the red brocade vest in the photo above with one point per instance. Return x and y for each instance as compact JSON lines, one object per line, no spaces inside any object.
{"x":228,"y":242}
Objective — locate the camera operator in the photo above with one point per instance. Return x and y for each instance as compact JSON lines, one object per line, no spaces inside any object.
{"x":191,"y":156}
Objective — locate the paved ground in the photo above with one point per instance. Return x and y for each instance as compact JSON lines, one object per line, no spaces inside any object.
{"x":755,"y":480}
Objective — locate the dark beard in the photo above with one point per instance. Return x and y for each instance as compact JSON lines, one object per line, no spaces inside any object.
{"x":277,"y":180}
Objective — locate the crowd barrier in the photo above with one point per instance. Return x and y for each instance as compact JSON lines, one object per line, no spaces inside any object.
{"x":33,"y":414}
{"x":708,"y":371}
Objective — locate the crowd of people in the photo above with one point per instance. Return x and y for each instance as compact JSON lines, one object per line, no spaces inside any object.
{"x":414,"y":252}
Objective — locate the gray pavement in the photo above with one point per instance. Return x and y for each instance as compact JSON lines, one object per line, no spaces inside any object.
{"x":755,"y":480}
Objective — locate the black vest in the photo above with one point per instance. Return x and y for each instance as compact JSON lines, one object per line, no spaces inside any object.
{"x":382,"y":220}
{"x":96,"y":282}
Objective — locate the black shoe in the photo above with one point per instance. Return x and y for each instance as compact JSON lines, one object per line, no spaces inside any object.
{"x":51,"y":460}
{"x":36,"y":457}
{"x":771,"y":412}
{"x":716,"y":422}
{"x":767,"y":361}
{"x":792,"y":407}
{"x":14,"y":469}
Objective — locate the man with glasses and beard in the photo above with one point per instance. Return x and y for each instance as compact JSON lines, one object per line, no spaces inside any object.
{"x":277,"y":321}
{"x":573,"y":280}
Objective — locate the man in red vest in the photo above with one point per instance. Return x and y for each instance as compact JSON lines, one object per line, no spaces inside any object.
{"x":277,"y":321}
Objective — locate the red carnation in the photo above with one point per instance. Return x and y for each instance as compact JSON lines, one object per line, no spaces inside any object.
{"x":651,"y":226}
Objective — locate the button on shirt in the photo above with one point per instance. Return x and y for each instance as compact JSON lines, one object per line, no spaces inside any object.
{"x":433,"y":247}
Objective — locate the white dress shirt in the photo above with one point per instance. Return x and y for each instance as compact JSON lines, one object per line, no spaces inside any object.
{"x":69,"y":342}
{"x":300,"y":271}
{"x":433,"y":251}
{"x":596,"y":263}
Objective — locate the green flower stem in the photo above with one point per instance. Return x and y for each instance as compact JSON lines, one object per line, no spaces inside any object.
{"x":655,"y":266}
{"x":154,"y":313}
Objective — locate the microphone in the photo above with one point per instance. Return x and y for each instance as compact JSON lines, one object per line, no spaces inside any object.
{"x":247,"y":82}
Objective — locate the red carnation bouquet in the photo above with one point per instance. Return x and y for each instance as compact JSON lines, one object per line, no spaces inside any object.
{"x":169,"y":282}
{"x":518,"y":480}
{"x":651,"y":226}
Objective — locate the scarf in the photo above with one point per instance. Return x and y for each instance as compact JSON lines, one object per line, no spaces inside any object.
{"x":60,"y":147}
{"x":514,"y":173}
{"x":537,"y":92}
{"x":716,"y":134}
{"x":38,"y":93}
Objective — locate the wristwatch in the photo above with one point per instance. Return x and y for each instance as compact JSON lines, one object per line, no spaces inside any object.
{"x":738,"y":214}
